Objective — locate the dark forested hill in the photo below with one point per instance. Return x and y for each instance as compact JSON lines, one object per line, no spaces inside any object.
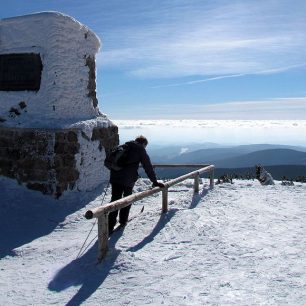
{"x":278,"y":172}
{"x":281,"y":160}
{"x":265,"y":157}
{"x":234,"y":158}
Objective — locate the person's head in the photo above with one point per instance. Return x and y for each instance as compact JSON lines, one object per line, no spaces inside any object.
{"x":142,"y":140}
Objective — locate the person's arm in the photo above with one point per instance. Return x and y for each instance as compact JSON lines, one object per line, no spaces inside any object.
{"x":147,"y":165}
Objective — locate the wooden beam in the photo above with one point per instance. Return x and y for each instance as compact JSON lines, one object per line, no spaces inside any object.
{"x":102,"y":236}
{"x":102,"y":212}
{"x":116,"y":205}
{"x":211,"y":179}
{"x":165,"y":200}
{"x":196,"y":185}
{"x":180,"y":165}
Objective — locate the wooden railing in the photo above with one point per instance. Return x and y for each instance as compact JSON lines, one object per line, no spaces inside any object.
{"x":102,"y":212}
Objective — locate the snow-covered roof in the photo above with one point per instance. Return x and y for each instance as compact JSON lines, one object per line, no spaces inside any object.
{"x":36,"y":29}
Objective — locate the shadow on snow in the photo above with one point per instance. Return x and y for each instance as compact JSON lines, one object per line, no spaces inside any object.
{"x":83,"y":271}
{"x":164,"y":219}
{"x":26,"y":215}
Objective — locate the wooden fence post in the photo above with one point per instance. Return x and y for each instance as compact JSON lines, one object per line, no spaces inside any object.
{"x":165,"y":200}
{"x":102,"y":212}
{"x":102,"y":236}
{"x":212,"y":181}
{"x":196,"y":183}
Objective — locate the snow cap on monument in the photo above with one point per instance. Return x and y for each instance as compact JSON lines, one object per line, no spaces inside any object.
{"x":48,"y":69}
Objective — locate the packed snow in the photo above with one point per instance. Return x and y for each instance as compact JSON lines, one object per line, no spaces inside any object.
{"x":63,"y":44}
{"x":236,"y":244}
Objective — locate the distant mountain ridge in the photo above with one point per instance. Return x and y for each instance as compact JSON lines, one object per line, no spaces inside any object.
{"x":278,"y":172}
{"x":160,"y":153}
{"x":270,"y":157}
{"x":240,"y":156}
{"x":281,"y":160}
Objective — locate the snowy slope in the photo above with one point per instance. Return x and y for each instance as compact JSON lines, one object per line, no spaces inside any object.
{"x":238,"y":244}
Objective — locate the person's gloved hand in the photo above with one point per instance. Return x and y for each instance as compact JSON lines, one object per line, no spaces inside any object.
{"x":157,"y":184}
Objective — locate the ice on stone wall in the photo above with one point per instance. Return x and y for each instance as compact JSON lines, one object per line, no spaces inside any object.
{"x":67,"y":89}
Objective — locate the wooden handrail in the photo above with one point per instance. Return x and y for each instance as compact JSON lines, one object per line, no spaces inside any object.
{"x":121,"y":203}
{"x":180,"y":165}
{"x":102,"y":212}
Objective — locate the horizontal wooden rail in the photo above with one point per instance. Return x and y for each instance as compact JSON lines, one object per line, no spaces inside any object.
{"x":180,"y":165}
{"x":121,"y":203}
{"x":102,"y":212}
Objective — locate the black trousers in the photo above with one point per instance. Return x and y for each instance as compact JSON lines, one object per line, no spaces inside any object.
{"x":119,"y":191}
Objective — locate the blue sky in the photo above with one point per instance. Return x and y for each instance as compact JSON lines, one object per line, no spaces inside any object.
{"x":187,"y":59}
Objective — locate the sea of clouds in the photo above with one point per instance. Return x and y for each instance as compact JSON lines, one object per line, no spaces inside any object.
{"x":289,"y":132}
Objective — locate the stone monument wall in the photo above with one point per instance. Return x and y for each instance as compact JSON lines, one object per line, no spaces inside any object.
{"x":52,"y":161}
{"x":53,"y":137}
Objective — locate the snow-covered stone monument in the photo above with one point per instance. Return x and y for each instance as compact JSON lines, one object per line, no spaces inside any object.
{"x":53,"y":137}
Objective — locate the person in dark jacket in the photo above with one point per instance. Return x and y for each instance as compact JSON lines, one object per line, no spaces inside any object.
{"x":123,"y":180}
{"x":264,"y":177}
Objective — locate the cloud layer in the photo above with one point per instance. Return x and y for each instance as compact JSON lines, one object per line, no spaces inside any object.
{"x":180,"y":132}
{"x":191,"y":38}
{"x":268,"y":109}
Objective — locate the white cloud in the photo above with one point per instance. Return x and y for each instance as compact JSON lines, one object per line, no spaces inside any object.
{"x":184,"y":150}
{"x":220,"y":77}
{"x":268,"y":109}
{"x":242,"y":37}
{"x":217,"y":131}
{"x":207,"y":124}
{"x":281,"y":109}
{"x":284,"y":108}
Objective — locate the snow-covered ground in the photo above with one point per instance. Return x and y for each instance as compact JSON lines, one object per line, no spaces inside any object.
{"x":238,"y":244}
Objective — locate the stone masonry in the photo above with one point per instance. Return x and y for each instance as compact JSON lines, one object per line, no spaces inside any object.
{"x":45,"y":159}
{"x":53,"y":137}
